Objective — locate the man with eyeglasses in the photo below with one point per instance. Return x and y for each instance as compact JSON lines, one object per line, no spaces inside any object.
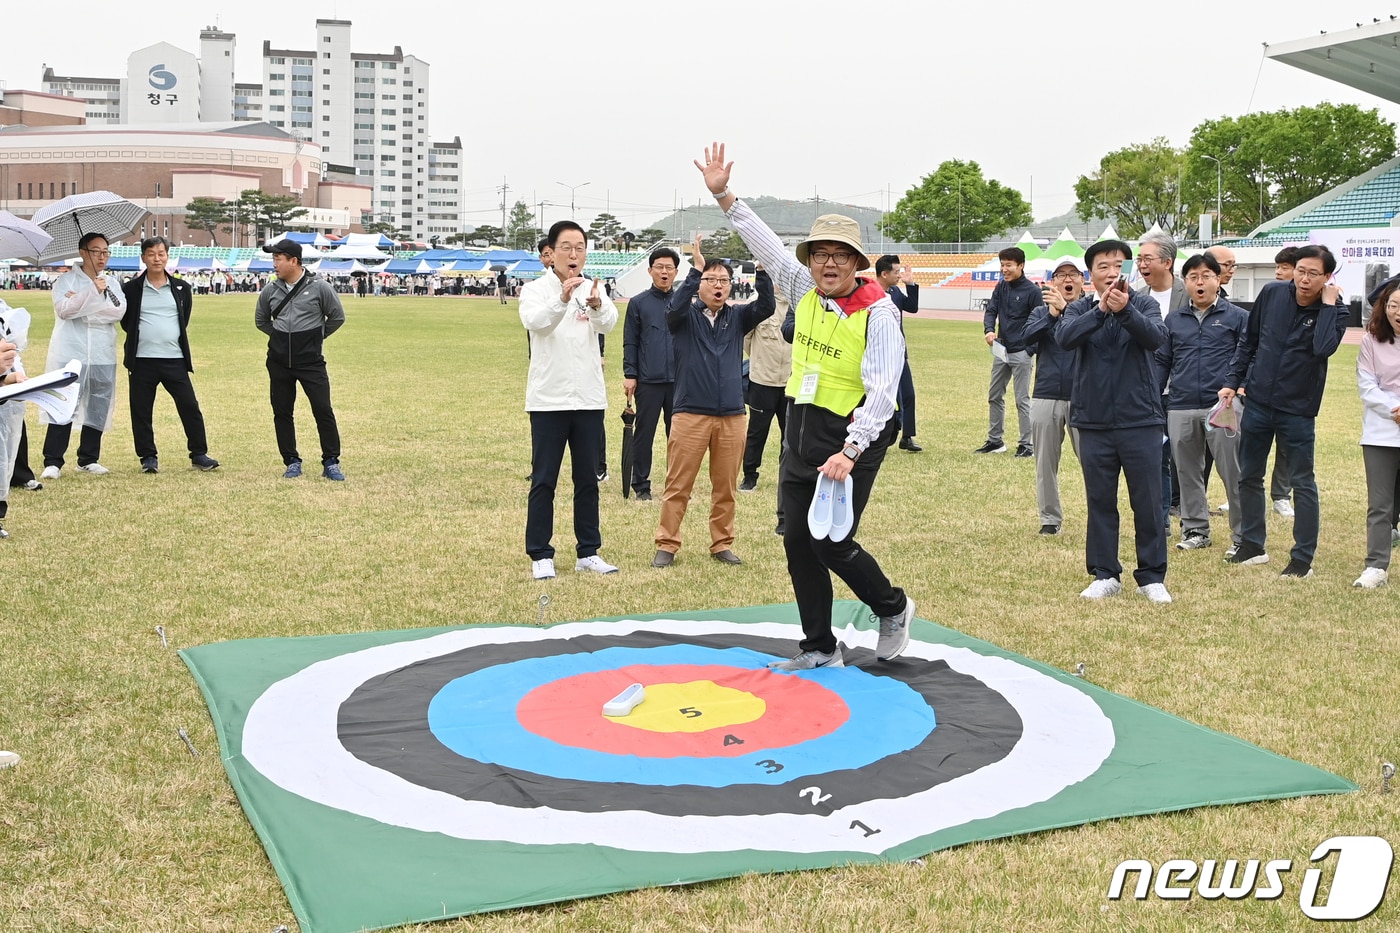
{"x":565,"y":395}
{"x":847,"y":355}
{"x":1225,"y":258}
{"x":87,"y":306}
{"x":1156,"y":259}
{"x":1281,"y":365}
{"x":709,"y":345}
{"x":1054,"y":378}
{"x":1194,"y":362}
{"x":1116,"y":405}
{"x":649,"y":366}
{"x":1010,"y":306}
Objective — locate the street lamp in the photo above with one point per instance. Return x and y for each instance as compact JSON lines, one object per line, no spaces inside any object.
{"x":1218,"y":223}
{"x":572,"y":189}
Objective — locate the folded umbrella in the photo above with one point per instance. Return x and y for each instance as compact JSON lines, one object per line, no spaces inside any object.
{"x":629,"y":417}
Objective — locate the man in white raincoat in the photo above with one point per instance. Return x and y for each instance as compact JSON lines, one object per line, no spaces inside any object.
{"x":88,"y":304}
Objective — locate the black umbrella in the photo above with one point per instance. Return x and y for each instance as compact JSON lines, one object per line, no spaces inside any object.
{"x":629,"y":417}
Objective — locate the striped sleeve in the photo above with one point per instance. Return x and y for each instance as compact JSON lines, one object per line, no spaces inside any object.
{"x":791,"y":277}
{"x":880,"y":370}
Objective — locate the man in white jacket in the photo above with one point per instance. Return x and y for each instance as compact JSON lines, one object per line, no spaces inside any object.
{"x":565,"y":396}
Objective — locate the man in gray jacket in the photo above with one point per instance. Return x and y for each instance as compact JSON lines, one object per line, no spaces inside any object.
{"x":298,"y":312}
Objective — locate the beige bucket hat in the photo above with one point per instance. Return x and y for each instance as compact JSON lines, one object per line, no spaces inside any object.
{"x":836,"y":228}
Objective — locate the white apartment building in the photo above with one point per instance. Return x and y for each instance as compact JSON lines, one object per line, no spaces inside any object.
{"x":368,"y":111}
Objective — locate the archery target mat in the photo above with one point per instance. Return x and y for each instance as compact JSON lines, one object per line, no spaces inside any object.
{"x":397,"y":777}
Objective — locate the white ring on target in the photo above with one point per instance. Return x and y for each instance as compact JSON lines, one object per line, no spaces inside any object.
{"x":290,"y":736}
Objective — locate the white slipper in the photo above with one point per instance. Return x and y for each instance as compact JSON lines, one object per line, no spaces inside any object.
{"x":819,"y":512}
{"x":843,"y":514}
{"x":626,"y":701}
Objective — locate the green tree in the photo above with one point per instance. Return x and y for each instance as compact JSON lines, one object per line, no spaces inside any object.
{"x":1138,"y":186}
{"x":956,"y":204}
{"x":521,"y":232}
{"x":1272,"y":162}
{"x":210,"y":215}
{"x":267,"y":214}
{"x":384,"y":228}
{"x":725,"y":244}
{"x":486,"y":235}
{"x":651,"y":235}
{"x":604,"y":229}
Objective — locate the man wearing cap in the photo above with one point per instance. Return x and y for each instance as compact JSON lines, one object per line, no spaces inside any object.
{"x":1054,"y":377}
{"x":1116,"y":405}
{"x":1195,"y":362}
{"x":1010,"y":306}
{"x":298,"y":311}
{"x":847,"y":356}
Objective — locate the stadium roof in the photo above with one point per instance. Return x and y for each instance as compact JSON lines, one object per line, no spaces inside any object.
{"x":1366,"y":58}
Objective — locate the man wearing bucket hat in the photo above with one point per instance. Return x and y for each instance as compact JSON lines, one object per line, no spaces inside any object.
{"x":847,"y":357}
{"x":1054,"y":376}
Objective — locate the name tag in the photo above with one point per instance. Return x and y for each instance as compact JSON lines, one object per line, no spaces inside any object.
{"x":808,"y":389}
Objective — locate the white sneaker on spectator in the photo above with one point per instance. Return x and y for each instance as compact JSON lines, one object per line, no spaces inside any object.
{"x":1283,"y":507}
{"x":1157,"y":592}
{"x":593,"y":564}
{"x":543,"y":569}
{"x":1101,"y":588}
{"x":96,"y":469}
{"x":50,"y":472}
{"x":1371,"y":578}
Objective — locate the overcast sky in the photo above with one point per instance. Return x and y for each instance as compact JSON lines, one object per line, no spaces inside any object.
{"x":838,"y":99}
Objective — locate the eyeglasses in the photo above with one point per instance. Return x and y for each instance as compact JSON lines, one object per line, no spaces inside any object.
{"x":1195,"y":277}
{"x":821,"y":257}
{"x":1066,"y":275}
{"x":715,"y":279}
{"x":1147,"y":257}
{"x":571,"y":250}
{"x":1300,"y":273}
{"x":101,"y":253}
{"x":1227,"y":265}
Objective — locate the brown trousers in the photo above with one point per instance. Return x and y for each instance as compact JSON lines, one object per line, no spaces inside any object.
{"x":691,"y":437}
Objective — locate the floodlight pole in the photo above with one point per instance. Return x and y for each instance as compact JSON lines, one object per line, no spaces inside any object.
{"x":572,"y":188}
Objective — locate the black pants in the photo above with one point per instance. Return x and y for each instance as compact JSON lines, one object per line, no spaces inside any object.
{"x":905,"y":414}
{"x":56,"y":444}
{"x":550,"y":432}
{"x":765,"y":404}
{"x":1136,"y":453}
{"x":317,"y":386}
{"x":23,"y":472}
{"x":144,"y":376}
{"x":811,"y":562}
{"x":655,"y":400}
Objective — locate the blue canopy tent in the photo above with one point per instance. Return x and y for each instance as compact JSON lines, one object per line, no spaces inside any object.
{"x":124,"y":264}
{"x":260,"y":264}
{"x":414,"y":266}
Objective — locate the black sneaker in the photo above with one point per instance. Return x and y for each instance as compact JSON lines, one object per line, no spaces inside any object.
{"x":150,"y":465}
{"x":991,"y":447}
{"x":1025,"y":450}
{"x":642,"y":495}
{"x":1247,"y":554}
{"x":749,"y":484}
{"x":1297,"y":570}
{"x":1049,"y":529}
{"x":204,"y":462}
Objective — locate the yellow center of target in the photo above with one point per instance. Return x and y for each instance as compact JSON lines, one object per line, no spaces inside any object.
{"x":693,"y":707}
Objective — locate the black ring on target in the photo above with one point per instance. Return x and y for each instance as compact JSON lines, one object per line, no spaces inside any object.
{"x":976,"y":727}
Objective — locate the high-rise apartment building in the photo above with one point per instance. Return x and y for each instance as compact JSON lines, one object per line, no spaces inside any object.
{"x":368,"y":111}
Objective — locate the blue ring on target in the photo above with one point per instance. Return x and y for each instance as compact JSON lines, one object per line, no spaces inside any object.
{"x":474,"y":716}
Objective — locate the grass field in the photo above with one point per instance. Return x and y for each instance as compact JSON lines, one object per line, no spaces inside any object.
{"x":110,"y":824}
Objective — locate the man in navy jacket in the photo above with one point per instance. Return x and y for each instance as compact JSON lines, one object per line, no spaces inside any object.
{"x":891,"y":273}
{"x":1010,"y":306}
{"x":1054,"y":376}
{"x":1201,"y":340}
{"x":709,"y":341}
{"x":1116,"y":404}
{"x":1280,"y":366}
{"x":648,"y":364}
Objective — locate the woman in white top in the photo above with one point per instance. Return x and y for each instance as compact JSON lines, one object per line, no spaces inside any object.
{"x":1378,"y":377}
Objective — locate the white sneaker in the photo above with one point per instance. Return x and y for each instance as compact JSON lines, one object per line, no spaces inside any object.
{"x":1157,"y":592}
{"x":1371,"y":578}
{"x":894,"y":633}
{"x":1283,"y":507}
{"x":1101,"y":588}
{"x":96,"y":469}
{"x":543,"y":569}
{"x":50,"y":472}
{"x":594,"y":564}
{"x":8,"y":760}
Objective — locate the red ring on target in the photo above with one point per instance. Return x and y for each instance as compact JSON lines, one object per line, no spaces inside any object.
{"x":569,"y":711}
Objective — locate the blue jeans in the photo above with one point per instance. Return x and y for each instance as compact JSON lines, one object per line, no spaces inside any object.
{"x":1295,"y":433}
